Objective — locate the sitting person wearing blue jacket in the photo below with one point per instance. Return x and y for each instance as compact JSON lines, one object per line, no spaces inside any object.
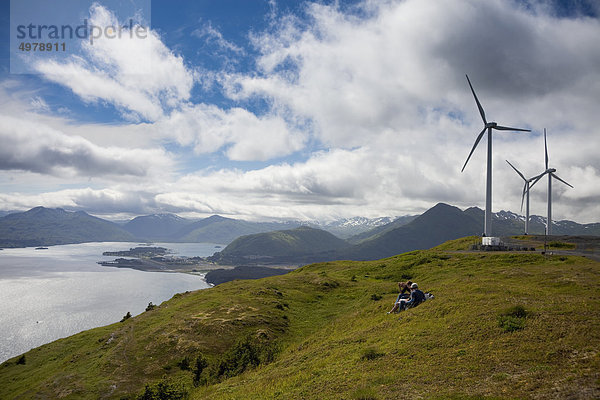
{"x":416,"y":298}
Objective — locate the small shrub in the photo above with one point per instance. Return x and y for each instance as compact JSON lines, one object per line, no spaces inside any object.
{"x":375,"y":297}
{"x":512,"y":319}
{"x":164,"y":390}
{"x":184,"y":364}
{"x":199,"y":368}
{"x":371,"y":354}
{"x":126,"y":317}
{"x":21,"y":360}
{"x":515,"y":311}
{"x":247,"y":353}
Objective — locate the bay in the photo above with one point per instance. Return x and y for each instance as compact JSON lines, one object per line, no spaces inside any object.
{"x":50,"y":294}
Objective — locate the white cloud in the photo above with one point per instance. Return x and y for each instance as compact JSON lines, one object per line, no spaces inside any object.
{"x":386,"y":95}
{"x":248,"y":137}
{"x":139,"y":75}
{"x":33,"y":146}
{"x":397,"y":79}
{"x":212,"y":35}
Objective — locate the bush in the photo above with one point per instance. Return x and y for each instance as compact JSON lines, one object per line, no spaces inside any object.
{"x":515,"y":311}
{"x":512,"y":319}
{"x":247,"y":353}
{"x":164,"y":390}
{"x":126,"y":317}
{"x":371,"y":354}
{"x":184,"y":364}
{"x":21,"y":360}
{"x":201,"y":365}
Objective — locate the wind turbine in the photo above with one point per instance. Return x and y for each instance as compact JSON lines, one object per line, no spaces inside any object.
{"x":551,"y":174}
{"x":526,"y":188}
{"x":488,"y":192}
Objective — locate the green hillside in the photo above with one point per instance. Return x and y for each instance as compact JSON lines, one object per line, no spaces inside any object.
{"x":279,"y":246}
{"x":501,"y":326}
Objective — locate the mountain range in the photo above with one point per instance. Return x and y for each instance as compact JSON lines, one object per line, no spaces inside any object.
{"x":42,"y":226}
{"x":437,"y":225}
{"x":373,"y":238}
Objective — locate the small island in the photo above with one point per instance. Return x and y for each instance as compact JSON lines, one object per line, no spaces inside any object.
{"x":158,"y":259}
{"x":138,"y":252}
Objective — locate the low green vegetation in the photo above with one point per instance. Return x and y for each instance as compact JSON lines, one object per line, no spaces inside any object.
{"x":561,"y":245}
{"x":464,"y":243}
{"x":501,"y":325}
{"x":512,"y":319}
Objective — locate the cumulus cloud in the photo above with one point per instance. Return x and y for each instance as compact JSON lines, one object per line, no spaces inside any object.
{"x":248,"y":137}
{"x":400,"y":73}
{"x":97,"y":201}
{"x":33,"y":146}
{"x":139,"y":75}
{"x":378,"y":105}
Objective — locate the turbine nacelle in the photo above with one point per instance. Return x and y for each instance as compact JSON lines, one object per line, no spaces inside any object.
{"x":491,"y":125}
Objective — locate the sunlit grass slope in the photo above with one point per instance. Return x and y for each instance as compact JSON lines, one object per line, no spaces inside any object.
{"x":322,"y":332}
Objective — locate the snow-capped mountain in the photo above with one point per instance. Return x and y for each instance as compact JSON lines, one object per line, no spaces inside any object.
{"x":347,"y":227}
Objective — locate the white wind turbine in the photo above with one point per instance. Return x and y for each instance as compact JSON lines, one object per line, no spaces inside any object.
{"x":526,"y":188}
{"x":488,"y":192}
{"x":551,"y":174}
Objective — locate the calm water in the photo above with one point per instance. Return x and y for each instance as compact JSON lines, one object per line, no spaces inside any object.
{"x":49,"y":294}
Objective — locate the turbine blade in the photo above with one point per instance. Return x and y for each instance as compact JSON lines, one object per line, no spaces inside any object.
{"x":523,"y":197}
{"x":518,"y":172}
{"x":537,"y":178}
{"x":477,"y":101}
{"x":546,"y":148}
{"x":473,"y":149}
{"x":506,"y":128}
{"x":556,"y":176}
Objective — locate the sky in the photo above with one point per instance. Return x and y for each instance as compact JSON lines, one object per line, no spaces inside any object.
{"x":268,"y":110}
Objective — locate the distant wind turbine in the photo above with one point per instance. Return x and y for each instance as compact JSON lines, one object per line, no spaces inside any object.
{"x":551,"y":174}
{"x":526,"y":188}
{"x":487,"y":126}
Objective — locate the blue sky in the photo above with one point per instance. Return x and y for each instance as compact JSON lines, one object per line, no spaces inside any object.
{"x":305,"y":110}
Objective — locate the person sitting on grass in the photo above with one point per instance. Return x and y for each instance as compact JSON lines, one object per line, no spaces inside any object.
{"x":416,"y":298}
{"x":404,"y":287}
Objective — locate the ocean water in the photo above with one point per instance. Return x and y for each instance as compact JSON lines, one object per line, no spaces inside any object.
{"x":50,"y":294}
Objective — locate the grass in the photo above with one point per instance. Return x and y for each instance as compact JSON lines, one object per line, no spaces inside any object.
{"x":561,"y":245}
{"x":321,"y":335}
{"x":538,"y":242}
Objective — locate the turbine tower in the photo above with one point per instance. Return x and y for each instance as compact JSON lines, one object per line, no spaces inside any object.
{"x":487,"y":126}
{"x":551,"y":174}
{"x":526,"y":188}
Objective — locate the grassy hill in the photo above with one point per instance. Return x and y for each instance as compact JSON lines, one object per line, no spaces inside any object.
{"x":501,"y":326}
{"x":281,"y":246}
{"x":50,"y":226}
